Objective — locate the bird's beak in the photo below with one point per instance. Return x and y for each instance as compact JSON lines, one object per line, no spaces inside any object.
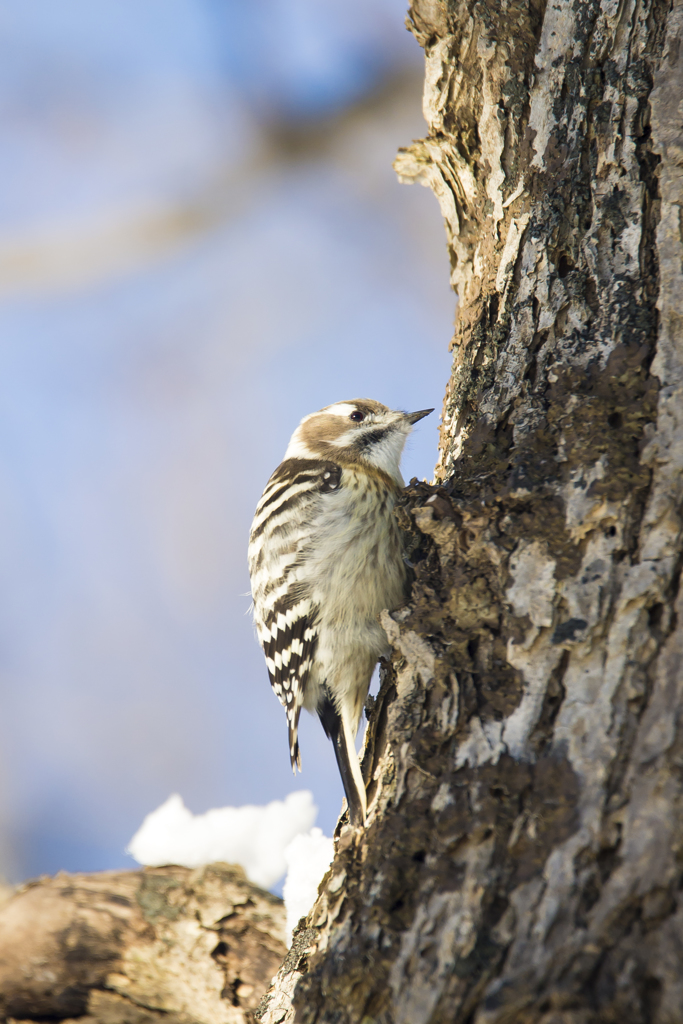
{"x":413,"y":417}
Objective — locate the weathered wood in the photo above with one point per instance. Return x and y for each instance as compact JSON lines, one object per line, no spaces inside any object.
{"x":139,"y":947}
{"x":522,"y":858}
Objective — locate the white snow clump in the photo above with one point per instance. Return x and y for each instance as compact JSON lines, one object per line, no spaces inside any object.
{"x":258,"y":838}
{"x":308,"y":857}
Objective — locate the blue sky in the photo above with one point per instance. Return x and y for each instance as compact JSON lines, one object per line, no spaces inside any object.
{"x":177,"y":295}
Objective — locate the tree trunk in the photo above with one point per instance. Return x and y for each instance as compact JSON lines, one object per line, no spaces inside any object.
{"x":522,"y":857}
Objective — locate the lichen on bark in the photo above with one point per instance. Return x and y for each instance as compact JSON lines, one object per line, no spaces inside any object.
{"x":522,"y":857}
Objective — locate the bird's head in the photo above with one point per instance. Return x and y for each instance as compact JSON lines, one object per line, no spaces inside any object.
{"x":358,"y":431}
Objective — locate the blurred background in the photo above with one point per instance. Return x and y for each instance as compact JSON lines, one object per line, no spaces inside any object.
{"x":201,"y":241}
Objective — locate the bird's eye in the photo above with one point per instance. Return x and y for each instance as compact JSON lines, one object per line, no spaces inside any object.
{"x":357,"y":416}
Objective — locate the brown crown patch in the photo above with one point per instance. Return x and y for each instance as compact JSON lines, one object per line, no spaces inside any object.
{"x":364,"y":405}
{"x":322,"y":429}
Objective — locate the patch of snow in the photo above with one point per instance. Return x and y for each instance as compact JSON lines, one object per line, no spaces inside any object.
{"x":257,"y":838}
{"x":308,"y":857}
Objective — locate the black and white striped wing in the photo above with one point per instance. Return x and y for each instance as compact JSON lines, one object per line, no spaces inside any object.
{"x":285,"y":616}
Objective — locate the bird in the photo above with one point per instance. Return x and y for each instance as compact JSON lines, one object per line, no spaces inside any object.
{"x":325,"y":558}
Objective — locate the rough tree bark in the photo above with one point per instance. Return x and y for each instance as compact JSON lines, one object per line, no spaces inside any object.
{"x":157,"y":946}
{"x":522,"y":858}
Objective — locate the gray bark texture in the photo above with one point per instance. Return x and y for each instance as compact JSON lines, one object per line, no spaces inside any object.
{"x":522,"y":860}
{"x":157,"y":946}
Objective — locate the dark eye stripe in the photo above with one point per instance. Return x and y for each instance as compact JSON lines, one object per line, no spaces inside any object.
{"x":370,"y":437}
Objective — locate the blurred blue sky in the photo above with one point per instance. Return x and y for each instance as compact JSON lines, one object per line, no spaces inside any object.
{"x":201,"y":241}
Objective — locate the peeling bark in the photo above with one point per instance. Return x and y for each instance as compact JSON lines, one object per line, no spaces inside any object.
{"x":522,"y":857}
{"x":158,"y":946}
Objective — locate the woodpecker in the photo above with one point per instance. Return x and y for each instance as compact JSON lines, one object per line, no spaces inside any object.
{"x":325,"y":557}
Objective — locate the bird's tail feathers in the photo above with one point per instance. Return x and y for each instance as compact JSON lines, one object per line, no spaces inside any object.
{"x":294,"y":755}
{"x":339,"y":729}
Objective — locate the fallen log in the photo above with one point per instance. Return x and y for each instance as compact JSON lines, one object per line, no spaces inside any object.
{"x":135,"y":947}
